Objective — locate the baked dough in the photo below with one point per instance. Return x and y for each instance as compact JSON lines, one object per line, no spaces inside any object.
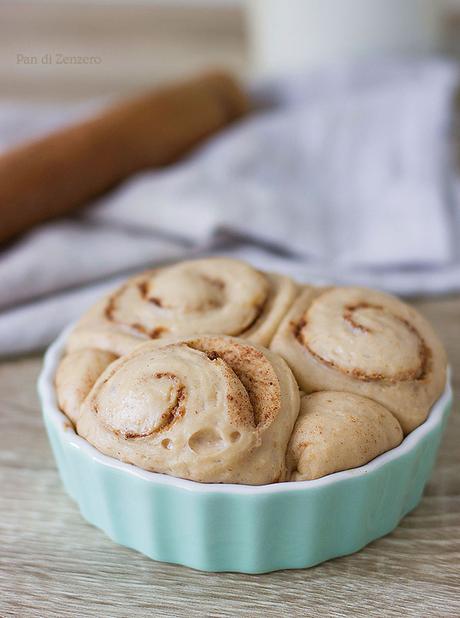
{"x":75,"y":376}
{"x":365,"y":342}
{"x":337,"y":431}
{"x":168,"y":373}
{"x":206,"y":408}
{"x":214,"y":295}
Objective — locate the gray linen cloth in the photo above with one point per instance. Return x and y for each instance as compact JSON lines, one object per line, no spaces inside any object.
{"x":348,"y":176}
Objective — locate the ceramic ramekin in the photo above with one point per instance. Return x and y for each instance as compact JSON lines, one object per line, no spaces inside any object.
{"x":237,"y":527}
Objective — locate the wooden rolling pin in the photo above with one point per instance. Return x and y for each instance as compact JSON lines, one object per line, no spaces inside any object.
{"x":57,"y":174}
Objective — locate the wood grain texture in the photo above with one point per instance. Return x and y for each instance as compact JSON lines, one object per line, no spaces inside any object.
{"x":54,"y":564}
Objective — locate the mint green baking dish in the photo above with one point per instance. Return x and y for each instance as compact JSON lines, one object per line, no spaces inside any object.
{"x":236,"y":527}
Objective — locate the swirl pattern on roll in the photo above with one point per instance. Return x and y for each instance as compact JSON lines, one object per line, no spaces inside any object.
{"x":214,"y":295}
{"x":337,"y":431}
{"x":365,"y":342}
{"x":207,"y":408}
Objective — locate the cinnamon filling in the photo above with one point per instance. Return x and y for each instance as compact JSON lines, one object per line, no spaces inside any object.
{"x":218,"y":284}
{"x":168,"y":417}
{"x":111,"y":309}
{"x":298,"y":329}
{"x":260,"y":308}
{"x":349,"y":311}
{"x":254,"y":372}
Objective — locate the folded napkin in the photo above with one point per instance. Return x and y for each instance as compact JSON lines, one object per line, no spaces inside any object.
{"x":345,"y":177}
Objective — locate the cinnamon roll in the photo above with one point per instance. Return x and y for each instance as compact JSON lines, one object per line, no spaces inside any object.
{"x":206,"y":408}
{"x":364,"y":342}
{"x":75,"y":376}
{"x":337,"y":431}
{"x":214,"y":295}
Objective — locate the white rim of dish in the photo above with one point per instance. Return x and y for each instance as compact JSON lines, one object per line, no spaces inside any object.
{"x":50,"y":409}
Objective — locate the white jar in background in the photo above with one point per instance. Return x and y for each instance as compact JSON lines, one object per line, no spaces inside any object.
{"x":291,"y":34}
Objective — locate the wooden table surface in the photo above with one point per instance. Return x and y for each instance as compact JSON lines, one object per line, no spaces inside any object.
{"x":54,"y":564}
